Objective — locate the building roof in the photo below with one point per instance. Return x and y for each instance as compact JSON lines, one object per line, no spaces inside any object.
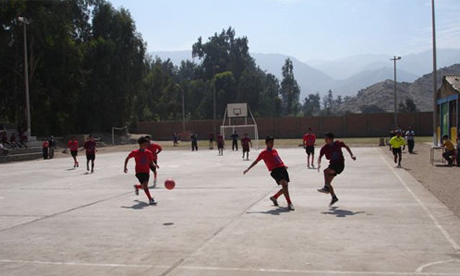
{"x":454,"y":81}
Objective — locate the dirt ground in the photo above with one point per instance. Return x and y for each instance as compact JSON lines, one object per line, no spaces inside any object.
{"x":441,"y":180}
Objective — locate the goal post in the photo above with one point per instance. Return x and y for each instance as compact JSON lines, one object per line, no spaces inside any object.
{"x":118,"y":129}
{"x":249,"y":126}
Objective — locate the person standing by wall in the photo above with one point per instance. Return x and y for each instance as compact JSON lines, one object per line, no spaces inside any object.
{"x":52,"y":145}
{"x":410,"y":140}
{"x":45,"y":146}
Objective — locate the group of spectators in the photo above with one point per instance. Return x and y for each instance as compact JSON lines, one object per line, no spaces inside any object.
{"x":451,"y":152}
{"x":14,"y":141}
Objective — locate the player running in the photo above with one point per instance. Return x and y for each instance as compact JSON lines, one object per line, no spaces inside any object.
{"x":395,"y":144}
{"x":333,"y":152}
{"x":220,"y":144}
{"x":246,"y":143}
{"x":278,"y":171}
{"x":144,"y":161}
{"x":309,"y":140}
{"x":73,"y":146}
{"x":155,"y":149}
{"x":90,"y":147}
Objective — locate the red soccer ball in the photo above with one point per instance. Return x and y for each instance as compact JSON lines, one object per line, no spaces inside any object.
{"x":170,"y":184}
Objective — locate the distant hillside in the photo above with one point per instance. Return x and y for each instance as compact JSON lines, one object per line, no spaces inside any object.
{"x":350,"y":86}
{"x":381,"y":95}
{"x":416,"y":64}
{"x":360,"y":71}
{"x":309,"y":79}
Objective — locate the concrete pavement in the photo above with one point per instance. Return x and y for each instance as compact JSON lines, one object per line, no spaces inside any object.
{"x":55,"y":220}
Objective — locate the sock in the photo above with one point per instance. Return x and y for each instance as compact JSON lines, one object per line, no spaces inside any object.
{"x":278,"y":194}
{"x":138,"y":186}
{"x":147,"y":192}
{"x":288,"y":199}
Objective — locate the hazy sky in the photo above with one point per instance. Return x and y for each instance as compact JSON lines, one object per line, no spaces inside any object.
{"x":305,"y":29}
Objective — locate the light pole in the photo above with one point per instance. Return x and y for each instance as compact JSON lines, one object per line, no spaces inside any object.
{"x":25,"y":22}
{"x":214,"y":104}
{"x":394,"y":59}
{"x":435,"y":77}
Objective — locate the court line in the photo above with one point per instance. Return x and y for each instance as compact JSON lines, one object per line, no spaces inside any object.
{"x":232,"y":269}
{"x":444,"y":232}
{"x":82,"y":264}
{"x":325,"y":272}
{"x":422,"y":267}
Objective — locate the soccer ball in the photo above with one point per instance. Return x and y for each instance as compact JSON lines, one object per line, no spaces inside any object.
{"x":170,"y":184}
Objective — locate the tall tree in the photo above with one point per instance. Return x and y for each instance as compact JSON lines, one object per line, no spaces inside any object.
{"x":290,"y":91}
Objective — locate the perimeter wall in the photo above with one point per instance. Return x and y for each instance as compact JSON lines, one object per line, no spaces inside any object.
{"x":350,"y":125}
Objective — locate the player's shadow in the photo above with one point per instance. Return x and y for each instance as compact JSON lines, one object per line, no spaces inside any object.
{"x":340,"y":213}
{"x":138,"y":206}
{"x":274,"y":212}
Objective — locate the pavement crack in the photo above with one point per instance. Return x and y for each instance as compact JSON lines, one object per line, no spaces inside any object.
{"x":63,"y":212}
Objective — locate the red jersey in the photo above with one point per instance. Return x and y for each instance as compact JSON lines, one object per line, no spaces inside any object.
{"x":333,"y":152}
{"x":46,"y":144}
{"x":220,"y":139}
{"x":309,"y":139}
{"x":245,"y":142}
{"x":90,"y":147}
{"x":271,"y":158}
{"x":154,"y":148}
{"x":73,"y":145}
{"x":143,"y":158}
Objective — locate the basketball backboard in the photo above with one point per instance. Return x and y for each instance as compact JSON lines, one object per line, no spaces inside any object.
{"x":236,"y":110}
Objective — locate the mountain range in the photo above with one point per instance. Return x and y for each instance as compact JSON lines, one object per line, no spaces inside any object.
{"x":344,"y":76}
{"x":381,"y":95}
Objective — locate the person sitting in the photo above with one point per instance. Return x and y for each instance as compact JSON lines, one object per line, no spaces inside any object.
{"x":449,"y":150}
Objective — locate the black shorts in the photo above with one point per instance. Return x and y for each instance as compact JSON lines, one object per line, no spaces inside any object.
{"x":90,"y":156}
{"x":153,"y":168}
{"x":310,"y":150}
{"x":143,"y":177}
{"x":245,"y":149}
{"x":74,"y":153}
{"x":337,"y":167}
{"x":280,"y":174}
{"x":397,"y":151}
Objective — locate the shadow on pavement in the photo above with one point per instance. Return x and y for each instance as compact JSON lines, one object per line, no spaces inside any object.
{"x":274,"y":212}
{"x":138,"y":206}
{"x":340,"y":213}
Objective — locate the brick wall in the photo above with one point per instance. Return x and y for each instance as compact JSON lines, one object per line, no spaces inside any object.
{"x":350,"y":125}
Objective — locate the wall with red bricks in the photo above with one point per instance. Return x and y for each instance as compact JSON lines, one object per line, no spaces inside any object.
{"x":349,"y":125}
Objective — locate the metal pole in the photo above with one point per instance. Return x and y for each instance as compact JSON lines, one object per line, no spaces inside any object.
{"x":395,"y":92}
{"x":395,"y":96}
{"x":214,"y":99}
{"x":26,"y":77}
{"x":183,"y":111}
{"x":435,"y":77}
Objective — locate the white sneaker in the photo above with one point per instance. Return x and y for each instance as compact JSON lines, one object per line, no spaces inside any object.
{"x":291,"y":207}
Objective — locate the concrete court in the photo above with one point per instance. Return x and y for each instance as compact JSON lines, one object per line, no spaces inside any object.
{"x":58,"y":221}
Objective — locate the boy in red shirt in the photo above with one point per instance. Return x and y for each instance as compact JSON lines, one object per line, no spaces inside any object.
{"x":144,"y":161}
{"x":155,"y":149}
{"x":309,"y":140}
{"x":90,"y":147}
{"x":220,"y":144}
{"x":245,"y":142}
{"x":45,"y":146}
{"x":278,"y":171}
{"x":333,"y":152}
{"x":73,"y":146}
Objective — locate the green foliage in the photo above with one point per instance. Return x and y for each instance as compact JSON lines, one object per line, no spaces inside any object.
{"x":89,"y":71}
{"x":290,"y":90}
